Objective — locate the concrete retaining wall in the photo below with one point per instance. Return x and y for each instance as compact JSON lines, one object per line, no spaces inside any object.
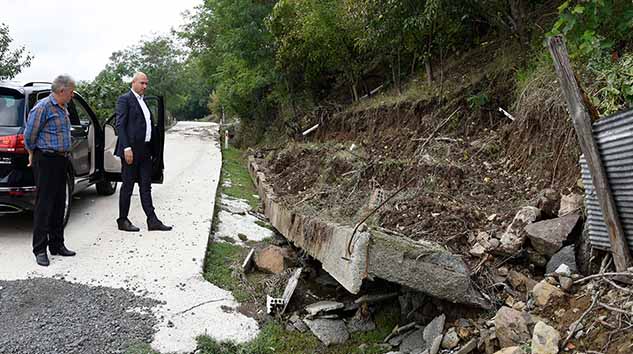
{"x":422,"y":266}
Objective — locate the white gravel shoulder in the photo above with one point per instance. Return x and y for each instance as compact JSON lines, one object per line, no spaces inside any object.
{"x":162,"y":266}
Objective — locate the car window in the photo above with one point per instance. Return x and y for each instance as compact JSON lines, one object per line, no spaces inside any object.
{"x":82,"y":112}
{"x":11,"y":110}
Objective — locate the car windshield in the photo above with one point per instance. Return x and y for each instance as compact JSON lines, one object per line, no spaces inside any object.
{"x":11,"y":110}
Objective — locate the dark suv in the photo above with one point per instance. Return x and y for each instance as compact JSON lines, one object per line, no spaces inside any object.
{"x":92,"y":160}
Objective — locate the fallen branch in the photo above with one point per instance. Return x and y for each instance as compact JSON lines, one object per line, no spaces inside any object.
{"x":573,"y":328}
{"x":428,"y":139}
{"x":615,"y":309}
{"x":505,"y":113}
{"x":398,"y":330}
{"x":602,"y":275}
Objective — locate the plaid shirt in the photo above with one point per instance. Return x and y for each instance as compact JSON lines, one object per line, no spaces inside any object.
{"x":48,"y":127}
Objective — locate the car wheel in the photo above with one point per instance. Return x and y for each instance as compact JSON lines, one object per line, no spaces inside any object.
{"x":70,"y":183}
{"x":106,"y":187}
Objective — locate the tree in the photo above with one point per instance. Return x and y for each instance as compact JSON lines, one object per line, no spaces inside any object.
{"x":12,"y":62}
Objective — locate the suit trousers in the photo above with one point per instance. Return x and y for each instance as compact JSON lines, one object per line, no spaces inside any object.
{"x":49,"y":171}
{"x":140,"y":171}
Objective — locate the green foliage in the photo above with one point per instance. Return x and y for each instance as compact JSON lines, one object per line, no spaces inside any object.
{"x":478,"y":101}
{"x":12,"y":62}
{"x":616,"y":85}
{"x":235,"y":170}
{"x":220,"y":261}
{"x":595,"y":26}
{"x":171,"y":74}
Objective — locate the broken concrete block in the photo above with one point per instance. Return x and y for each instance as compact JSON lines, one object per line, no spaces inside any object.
{"x":323,"y":307}
{"x":545,"y":339}
{"x":248,"y":261}
{"x":360,"y":323}
{"x":565,"y":256}
{"x":544,"y":292}
{"x":511,"y":327}
{"x":435,"y":328}
{"x":548,"y":236}
{"x":513,"y":238}
{"x":422,"y":266}
{"x":290,"y":288}
{"x":273,"y":259}
{"x":328,"y":331}
{"x":413,"y":342}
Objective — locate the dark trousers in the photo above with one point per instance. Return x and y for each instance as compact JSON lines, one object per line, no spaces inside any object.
{"x":140,"y":171}
{"x":49,"y":171}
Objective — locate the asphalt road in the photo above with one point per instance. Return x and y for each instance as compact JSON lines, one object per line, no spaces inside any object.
{"x":159,"y":266}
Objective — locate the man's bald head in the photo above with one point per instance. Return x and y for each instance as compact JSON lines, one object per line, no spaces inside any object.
{"x":139,"y":83}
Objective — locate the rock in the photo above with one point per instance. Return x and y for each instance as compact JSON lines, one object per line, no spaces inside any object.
{"x":513,"y":238}
{"x":520,"y":282}
{"x":494,"y":244}
{"x":323,"y":306}
{"x":397,"y":340}
{"x":434,"y":329}
{"x":548,"y":200}
{"x":563,"y":270}
{"x":468,"y":347}
{"x":570,"y":203}
{"x":360,"y":323}
{"x":413,"y":342}
{"x":511,"y":350}
{"x":451,"y":339}
{"x":503,"y":271}
{"x":548,"y":236}
{"x":519,"y":306}
{"x":477,"y":250}
{"x":435,"y":347}
{"x":544,"y":292}
{"x":565,"y":256}
{"x":328,"y":331}
{"x":545,"y":339}
{"x":512,"y":327}
{"x":273,"y":259}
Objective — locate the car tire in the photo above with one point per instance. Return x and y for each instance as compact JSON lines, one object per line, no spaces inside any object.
{"x":106,"y":187}
{"x":70,"y":184}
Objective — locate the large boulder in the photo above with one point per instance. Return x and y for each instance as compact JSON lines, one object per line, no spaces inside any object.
{"x":328,"y":331}
{"x":566,"y":255}
{"x":512,"y":327}
{"x":514,"y":236}
{"x":548,"y":236}
{"x":545,"y":339}
{"x":274,"y":259}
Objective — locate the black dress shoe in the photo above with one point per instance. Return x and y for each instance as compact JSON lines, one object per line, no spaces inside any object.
{"x":62,"y":251}
{"x":157,"y":226}
{"x":126,"y":225}
{"x":42,"y":259}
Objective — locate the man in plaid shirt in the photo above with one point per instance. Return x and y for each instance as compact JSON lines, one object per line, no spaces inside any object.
{"x":47,"y":139}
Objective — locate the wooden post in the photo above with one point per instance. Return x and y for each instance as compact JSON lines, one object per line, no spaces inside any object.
{"x":580,"y":114}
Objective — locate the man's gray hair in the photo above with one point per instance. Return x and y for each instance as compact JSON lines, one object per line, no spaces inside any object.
{"x":62,"y":82}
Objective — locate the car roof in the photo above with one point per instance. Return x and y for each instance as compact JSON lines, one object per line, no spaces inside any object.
{"x":25,"y":87}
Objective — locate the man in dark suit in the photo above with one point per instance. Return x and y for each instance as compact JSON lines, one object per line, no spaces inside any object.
{"x":135,"y":148}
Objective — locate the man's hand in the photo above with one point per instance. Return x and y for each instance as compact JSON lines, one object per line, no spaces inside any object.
{"x":30,"y":159}
{"x":129,"y":156}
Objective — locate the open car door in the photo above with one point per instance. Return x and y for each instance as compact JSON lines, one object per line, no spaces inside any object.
{"x":112,"y":163}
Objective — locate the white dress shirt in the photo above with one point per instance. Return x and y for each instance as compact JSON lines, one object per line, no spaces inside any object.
{"x":148,"y":120}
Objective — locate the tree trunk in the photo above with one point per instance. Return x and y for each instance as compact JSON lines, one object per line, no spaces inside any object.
{"x":429,"y":71}
{"x":518,"y":10}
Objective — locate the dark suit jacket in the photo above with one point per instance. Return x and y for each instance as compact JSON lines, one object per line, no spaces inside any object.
{"x":130,"y":124}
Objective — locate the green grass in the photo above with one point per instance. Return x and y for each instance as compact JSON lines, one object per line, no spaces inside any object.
{"x":235,"y":169}
{"x":220,"y":261}
{"x":141,"y":348}
{"x":274,"y":339}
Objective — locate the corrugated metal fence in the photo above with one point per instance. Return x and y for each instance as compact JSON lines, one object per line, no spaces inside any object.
{"x":614,"y":137}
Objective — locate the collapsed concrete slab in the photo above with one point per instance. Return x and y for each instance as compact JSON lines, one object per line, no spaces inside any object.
{"x":423,"y":266}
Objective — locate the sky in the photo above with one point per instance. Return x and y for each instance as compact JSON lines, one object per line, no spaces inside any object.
{"x":77,"y":37}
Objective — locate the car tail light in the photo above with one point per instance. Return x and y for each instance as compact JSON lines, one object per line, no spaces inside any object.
{"x":13,"y":143}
